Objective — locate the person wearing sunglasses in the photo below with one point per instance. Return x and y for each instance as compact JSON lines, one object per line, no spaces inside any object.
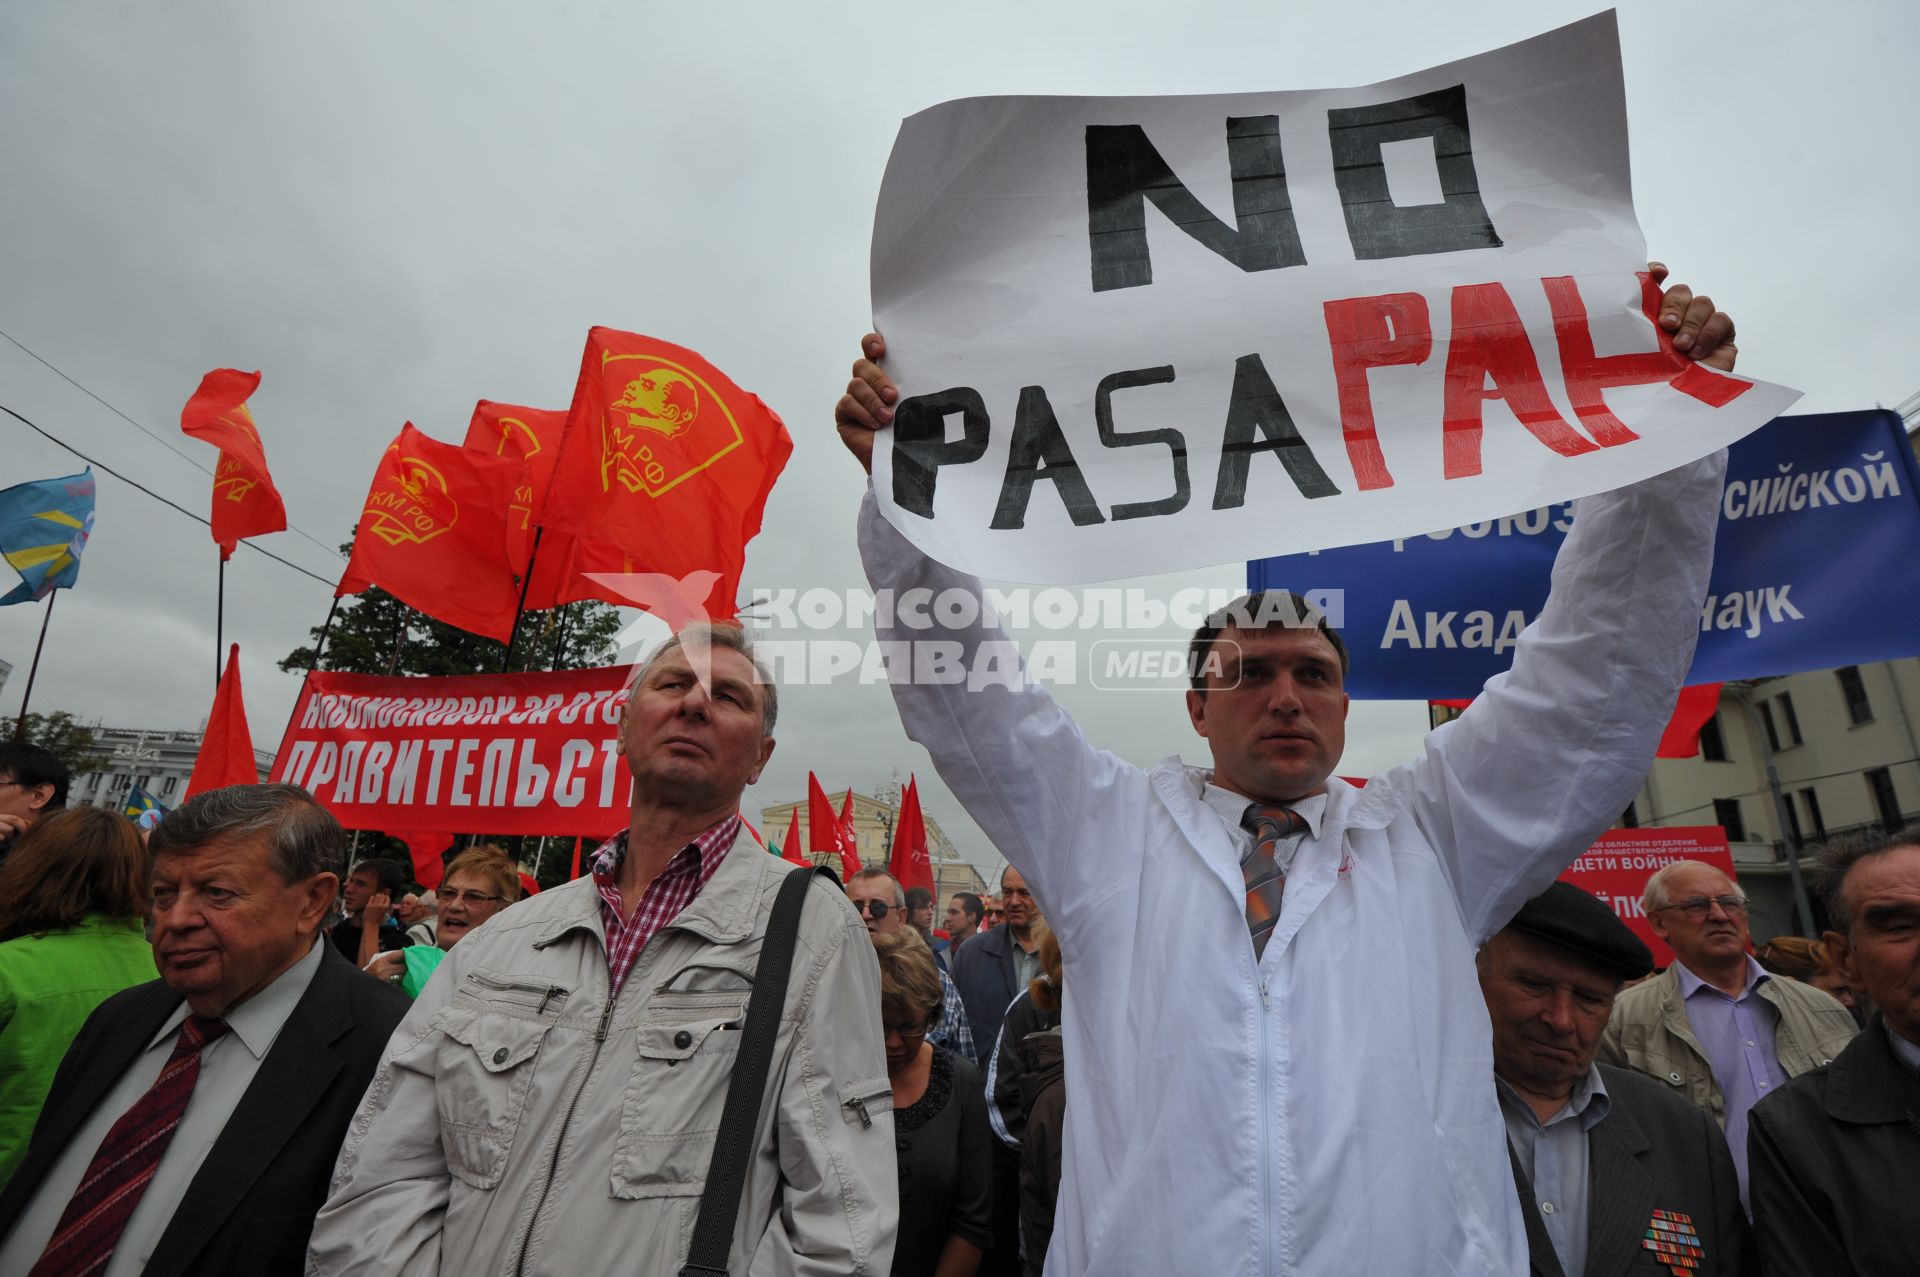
{"x":480,"y":882}
{"x":1716,"y":1026}
{"x":882,"y":905}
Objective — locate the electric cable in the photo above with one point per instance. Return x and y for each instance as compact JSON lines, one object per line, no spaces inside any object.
{"x":101,"y":465}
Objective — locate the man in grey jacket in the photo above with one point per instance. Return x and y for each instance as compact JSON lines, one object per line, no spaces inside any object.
{"x":550,"y":1105}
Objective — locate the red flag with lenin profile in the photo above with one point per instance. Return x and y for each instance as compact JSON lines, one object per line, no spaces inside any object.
{"x":912,"y":864}
{"x":667,"y":459}
{"x":245,"y":502}
{"x":562,"y":561}
{"x":434,"y":534}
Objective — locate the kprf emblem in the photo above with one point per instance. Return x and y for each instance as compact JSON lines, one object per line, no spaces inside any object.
{"x":415,"y":507}
{"x":661,"y":424}
{"x":1673,"y":1241}
{"x":230,"y":479}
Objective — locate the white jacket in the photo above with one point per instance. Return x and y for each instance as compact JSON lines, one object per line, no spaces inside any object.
{"x":1330,"y":1110}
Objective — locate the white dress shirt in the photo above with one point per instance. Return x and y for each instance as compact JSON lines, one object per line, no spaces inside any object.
{"x":227,"y":1068}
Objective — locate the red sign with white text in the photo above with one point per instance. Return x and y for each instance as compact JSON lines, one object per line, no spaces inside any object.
{"x":487,"y":753}
{"x":1617,"y":867}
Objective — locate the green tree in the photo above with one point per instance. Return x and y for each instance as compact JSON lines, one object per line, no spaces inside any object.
{"x":375,"y":633}
{"x":73,"y":743}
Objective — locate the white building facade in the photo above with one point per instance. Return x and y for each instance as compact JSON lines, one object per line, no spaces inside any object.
{"x":157,"y":761}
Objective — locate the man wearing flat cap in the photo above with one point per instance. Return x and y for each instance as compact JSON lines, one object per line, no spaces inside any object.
{"x":1615,"y":1175}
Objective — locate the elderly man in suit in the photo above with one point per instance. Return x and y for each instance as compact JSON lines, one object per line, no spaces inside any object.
{"x":193,"y":1124}
{"x":1615,"y":1174}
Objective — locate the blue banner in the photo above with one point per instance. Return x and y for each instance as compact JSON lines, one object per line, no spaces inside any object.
{"x":1817,"y":565}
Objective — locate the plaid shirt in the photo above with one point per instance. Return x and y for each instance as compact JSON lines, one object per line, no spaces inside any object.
{"x":953,"y":1033}
{"x":665,"y":896}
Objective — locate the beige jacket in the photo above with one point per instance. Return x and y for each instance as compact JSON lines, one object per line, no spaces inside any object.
{"x":1650,"y":1033}
{"x":520,"y":1123}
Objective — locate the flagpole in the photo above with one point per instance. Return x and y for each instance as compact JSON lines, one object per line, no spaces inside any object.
{"x":513,"y":636}
{"x":560,"y":639}
{"x":219,"y":621}
{"x":20,"y":727}
{"x":326,"y":627}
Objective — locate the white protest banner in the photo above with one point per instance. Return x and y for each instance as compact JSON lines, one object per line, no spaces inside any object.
{"x":1139,"y":334}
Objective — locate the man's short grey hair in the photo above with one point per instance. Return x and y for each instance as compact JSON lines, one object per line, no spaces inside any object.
{"x":304,"y":837}
{"x":734,"y":639}
{"x":867,"y":875}
{"x":1656,"y":896}
{"x":1834,"y":860}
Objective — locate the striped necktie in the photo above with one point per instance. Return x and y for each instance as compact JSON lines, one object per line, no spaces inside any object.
{"x":90,"y":1227}
{"x":1266,"y":884}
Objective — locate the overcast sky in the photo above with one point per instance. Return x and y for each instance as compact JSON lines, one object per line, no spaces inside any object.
{"x":395,"y":210}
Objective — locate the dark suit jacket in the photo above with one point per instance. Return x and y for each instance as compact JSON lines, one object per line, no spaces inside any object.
{"x":249,"y":1210}
{"x":1652,"y":1151}
{"x":983,"y":971}
{"x":1835,"y":1163}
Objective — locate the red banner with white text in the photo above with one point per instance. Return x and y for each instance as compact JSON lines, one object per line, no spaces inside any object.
{"x":480,"y":753}
{"x":1617,"y":867}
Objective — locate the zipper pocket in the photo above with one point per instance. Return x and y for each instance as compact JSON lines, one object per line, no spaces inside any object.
{"x":519,"y":992}
{"x":859,"y":1101}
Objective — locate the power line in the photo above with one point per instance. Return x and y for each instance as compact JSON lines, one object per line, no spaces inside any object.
{"x":162,"y":441}
{"x":155,"y":495}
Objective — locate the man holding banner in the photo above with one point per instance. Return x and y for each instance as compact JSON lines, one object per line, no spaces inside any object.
{"x":1277,"y":1048}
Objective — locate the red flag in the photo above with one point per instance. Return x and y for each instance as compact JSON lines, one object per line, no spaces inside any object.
{"x":667,"y":459}
{"x":226,"y":747}
{"x":1695,"y":706}
{"x":245,"y":502}
{"x":434,"y":534}
{"x":426,"y":850}
{"x":912,"y":864}
{"x":827,"y":832}
{"x":575,"y":872}
{"x":790,"y":846}
{"x":821,"y":823}
{"x":847,"y":841}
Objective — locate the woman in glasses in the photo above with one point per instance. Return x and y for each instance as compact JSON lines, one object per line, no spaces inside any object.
{"x":480,"y":882}
{"x":939,"y":1121}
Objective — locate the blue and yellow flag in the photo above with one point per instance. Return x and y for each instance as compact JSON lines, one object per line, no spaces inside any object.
{"x":140,"y":801}
{"x":44,"y":526}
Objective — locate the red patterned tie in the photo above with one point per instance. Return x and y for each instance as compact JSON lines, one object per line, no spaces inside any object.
{"x":91,"y":1225}
{"x":1265,"y":882}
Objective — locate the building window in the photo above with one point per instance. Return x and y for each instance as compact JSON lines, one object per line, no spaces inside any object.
{"x":1726,"y":814}
{"x":1713,"y":746}
{"x":1885,"y":803}
{"x":1858,"y":709}
{"x":1793,"y":825}
{"x":1630,"y":819}
{"x":173,"y":783}
{"x":1766,"y":721}
{"x":1811,"y":802}
{"x":1791,"y":719}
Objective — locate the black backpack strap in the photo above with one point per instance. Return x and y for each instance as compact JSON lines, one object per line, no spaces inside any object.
{"x":733,"y":1147}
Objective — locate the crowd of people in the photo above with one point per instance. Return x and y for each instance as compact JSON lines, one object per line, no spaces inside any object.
{"x":1314,"y":1028}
